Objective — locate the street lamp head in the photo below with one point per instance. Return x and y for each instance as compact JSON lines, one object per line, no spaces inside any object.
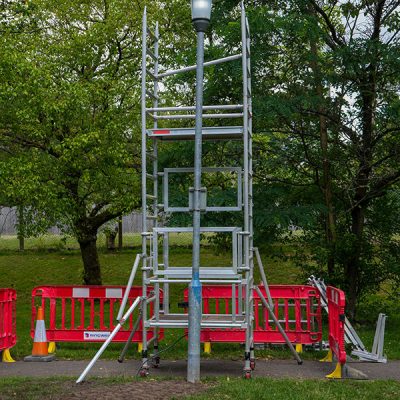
{"x":201,"y":14}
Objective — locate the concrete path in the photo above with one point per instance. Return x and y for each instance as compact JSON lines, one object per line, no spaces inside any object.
{"x":274,"y":368}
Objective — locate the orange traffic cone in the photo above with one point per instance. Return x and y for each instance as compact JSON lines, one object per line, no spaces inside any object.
{"x":39,"y":350}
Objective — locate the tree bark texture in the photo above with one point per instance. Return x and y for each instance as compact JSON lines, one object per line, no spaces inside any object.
{"x":90,"y":258}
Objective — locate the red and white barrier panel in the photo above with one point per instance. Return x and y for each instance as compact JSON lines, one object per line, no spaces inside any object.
{"x":297,"y":307}
{"x":8,"y":324}
{"x":336,"y":305}
{"x":87,"y":313}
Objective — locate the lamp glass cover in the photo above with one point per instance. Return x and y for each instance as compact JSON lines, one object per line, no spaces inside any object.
{"x":201,"y":9}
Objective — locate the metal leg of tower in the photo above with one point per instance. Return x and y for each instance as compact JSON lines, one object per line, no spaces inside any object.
{"x":145,"y":366}
{"x":156,"y":356}
{"x":247,"y":367}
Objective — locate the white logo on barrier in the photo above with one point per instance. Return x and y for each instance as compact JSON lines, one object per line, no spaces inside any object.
{"x":96,"y":335}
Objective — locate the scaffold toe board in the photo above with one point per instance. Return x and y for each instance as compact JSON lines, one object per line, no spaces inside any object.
{"x":210,"y":133}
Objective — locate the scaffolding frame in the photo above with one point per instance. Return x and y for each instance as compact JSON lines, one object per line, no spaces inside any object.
{"x":161,"y":275}
{"x":240,"y":273}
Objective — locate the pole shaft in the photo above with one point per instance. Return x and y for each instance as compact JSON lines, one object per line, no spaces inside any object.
{"x":195,"y":300}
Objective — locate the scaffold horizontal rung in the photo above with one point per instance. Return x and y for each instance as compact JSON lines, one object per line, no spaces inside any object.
{"x":207,"y":321}
{"x":151,"y":196}
{"x":192,"y":108}
{"x":188,"y":280}
{"x":152,"y":217}
{"x":206,"y":64}
{"x":151,"y":34}
{"x":219,"y":133}
{"x":193,"y":116}
{"x":152,"y":76}
{"x":205,"y":272}
{"x":152,"y":55}
{"x":153,"y":96}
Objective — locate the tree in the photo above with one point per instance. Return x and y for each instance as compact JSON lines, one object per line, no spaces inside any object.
{"x":70,"y":110}
{"x":326,"y":121}
{"x":69,"y":100}
{"x":332,"y":67}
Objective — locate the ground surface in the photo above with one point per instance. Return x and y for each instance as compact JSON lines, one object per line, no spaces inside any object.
{"x":210,"y":368}
{"x":143,"y":390}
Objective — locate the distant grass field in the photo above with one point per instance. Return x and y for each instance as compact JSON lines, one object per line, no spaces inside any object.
{"x":51,"y":261}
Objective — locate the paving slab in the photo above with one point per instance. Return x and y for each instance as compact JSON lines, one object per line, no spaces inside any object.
{"x":209,"y":368}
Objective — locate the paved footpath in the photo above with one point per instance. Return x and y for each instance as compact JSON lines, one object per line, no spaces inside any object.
{"x":274,"y":368}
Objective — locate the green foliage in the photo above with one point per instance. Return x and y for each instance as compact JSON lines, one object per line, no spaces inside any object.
{"x":313,"y":64}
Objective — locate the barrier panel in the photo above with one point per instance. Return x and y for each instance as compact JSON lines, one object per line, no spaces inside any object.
{"x":297,"y":307}
{"x":87,"y":313}
{"x":336,"y":305}
{"x":8,"y":331}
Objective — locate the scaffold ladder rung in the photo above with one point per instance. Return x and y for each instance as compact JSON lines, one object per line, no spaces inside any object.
{"x":152,"y":95}
{"x":152,"y":55}
{"x":152,"y":76}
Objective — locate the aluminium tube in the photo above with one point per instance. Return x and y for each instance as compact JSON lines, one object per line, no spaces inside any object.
{"x":195,"y":67}
{"x":263,"y":277}
{"x":144,"y":186}
{"x":109,"y":339}
{"x":192,"y":116}
{"x":129,"y":286}
{"x":191,"y":108}
{"x":128,"y":342}
{"x":278,"y":325}
{"x":195,"y":312}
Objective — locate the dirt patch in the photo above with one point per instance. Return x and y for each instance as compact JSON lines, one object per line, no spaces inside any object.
{"x":141,"y":390}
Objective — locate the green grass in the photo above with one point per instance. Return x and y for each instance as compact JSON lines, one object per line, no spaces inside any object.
{"x":297,"y":389}
{"x":257,"y":389}
{"x":47,"y":262}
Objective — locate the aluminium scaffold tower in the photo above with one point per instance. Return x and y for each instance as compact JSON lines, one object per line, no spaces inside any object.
{"x":155,"y":240}
{"x":156,"y":275}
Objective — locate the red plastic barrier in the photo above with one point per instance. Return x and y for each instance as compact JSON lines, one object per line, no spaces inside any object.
{"x":336,"y":305}
{"x":297,"y":307}
{"x":8,"y":336}
{"x":86,"y":313}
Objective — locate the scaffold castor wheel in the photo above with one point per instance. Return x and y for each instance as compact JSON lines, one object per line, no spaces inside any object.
{"x":247,"y":375}
{"x":253,"y":364}
{"x":143,"y":373}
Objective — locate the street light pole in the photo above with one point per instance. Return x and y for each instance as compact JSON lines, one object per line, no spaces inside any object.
{"x":201,"y":13}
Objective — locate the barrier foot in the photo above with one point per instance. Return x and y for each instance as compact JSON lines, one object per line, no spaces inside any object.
{"x":337,"y":373}
{"x":299,"y":348}
{"x":6,"y":356}
{"x":140,"y":347}
{"x":207,"y":348}
{"x":48,"y":358}
{"x":52,"y":347}
{"x":328,"y":357}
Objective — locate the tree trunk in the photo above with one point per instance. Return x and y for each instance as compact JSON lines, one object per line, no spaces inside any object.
{"x":120,"y":233}
{"x":21,"y":228}
{"x":352,"y":268}
{"x":330,"y":221}
{"x":90,"y":258}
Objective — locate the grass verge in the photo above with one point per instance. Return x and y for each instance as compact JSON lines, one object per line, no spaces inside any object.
{"x":220,"y":389}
